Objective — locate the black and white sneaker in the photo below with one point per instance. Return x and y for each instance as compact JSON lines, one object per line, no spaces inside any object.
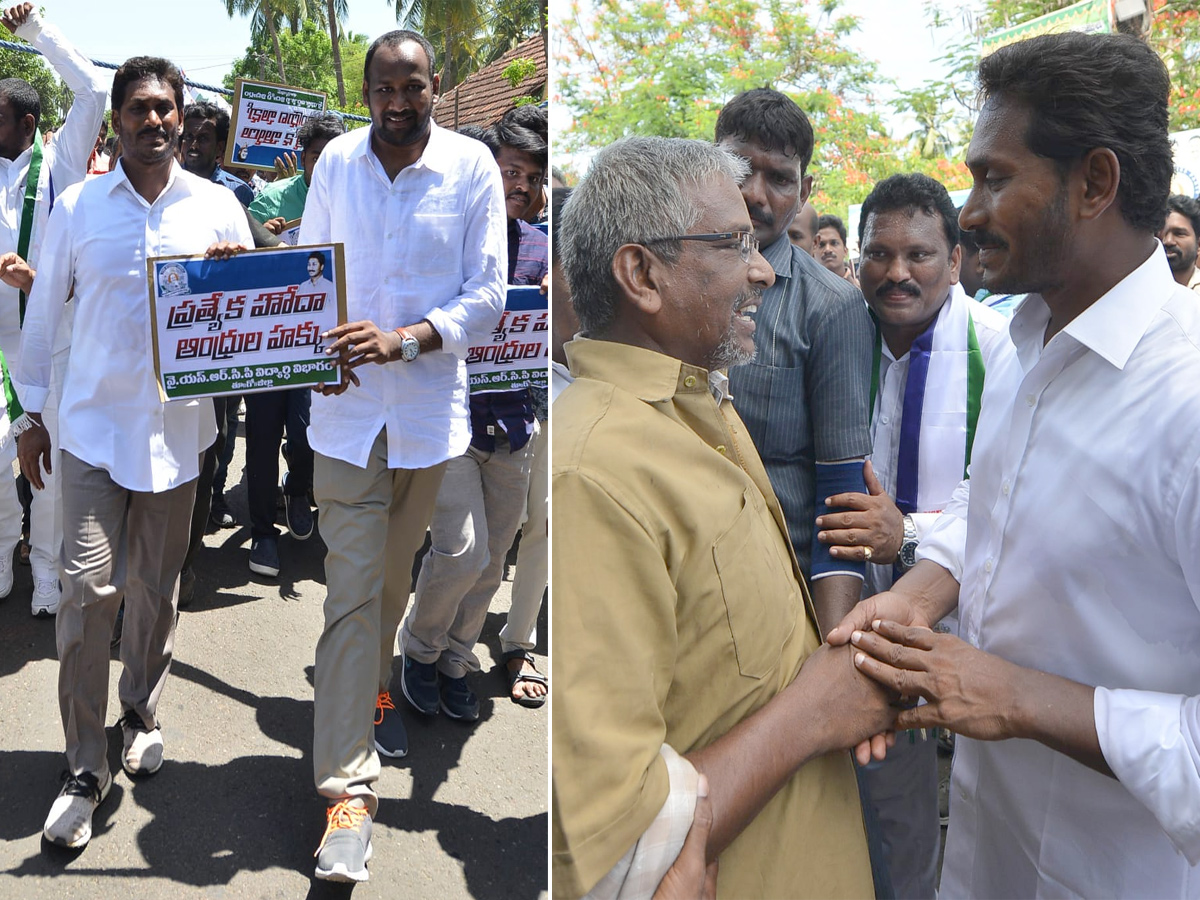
{"x":70,"y":821}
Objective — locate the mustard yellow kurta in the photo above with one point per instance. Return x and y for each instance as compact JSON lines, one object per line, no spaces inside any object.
{"x":678,"y":612}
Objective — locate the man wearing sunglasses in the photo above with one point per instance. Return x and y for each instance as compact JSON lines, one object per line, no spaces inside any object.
{"x":804,"y":399}
{"x":681,"y":619}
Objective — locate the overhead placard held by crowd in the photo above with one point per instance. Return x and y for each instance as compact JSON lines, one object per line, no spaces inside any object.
{"x":265,"y":120}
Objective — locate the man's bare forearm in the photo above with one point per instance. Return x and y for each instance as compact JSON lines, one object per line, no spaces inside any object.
{"x":826,"y":708}
{"x":1059,"y":713}
{"x":833,"y":597}
{"x":931,"y":588}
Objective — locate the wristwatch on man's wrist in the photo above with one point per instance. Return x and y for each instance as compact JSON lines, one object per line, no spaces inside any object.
{"x":907,"y":557}
{"x":409,"y":347}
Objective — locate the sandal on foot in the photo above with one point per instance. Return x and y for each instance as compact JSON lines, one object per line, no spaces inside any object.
{"x":534,"y":677}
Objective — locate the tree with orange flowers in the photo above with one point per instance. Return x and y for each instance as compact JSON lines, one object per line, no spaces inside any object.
{"x":665,"y":67}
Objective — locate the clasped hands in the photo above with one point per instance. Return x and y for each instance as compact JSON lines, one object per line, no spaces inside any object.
{"x":965,"y":689}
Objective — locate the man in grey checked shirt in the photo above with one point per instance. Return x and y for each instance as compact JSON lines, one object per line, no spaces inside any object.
{"x":804,"y":398}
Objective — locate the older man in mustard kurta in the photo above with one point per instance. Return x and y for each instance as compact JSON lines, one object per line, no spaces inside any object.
{"x":684,"y":636}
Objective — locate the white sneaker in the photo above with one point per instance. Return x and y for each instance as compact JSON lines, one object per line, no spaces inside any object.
{"x":46,"y":595}
{"x":70,"y":821}
{"x":143,"y":746}
{"x":6,"y":575}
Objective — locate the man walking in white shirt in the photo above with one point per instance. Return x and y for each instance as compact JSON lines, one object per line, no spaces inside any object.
{"x":1074,"y":686}
{"x":421,"y":213}
{"x":128,"y":460}
{"x":32,"y":174}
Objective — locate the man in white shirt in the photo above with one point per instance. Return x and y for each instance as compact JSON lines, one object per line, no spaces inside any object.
{"x":30,"y":169}
{"x":1074,"y":685}
{"x":128,"y":460}
{"x":933,"y":347}
{"x":421,"y":213}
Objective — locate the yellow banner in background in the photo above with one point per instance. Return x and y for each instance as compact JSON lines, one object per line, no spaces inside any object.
{"x":1091,"y":16}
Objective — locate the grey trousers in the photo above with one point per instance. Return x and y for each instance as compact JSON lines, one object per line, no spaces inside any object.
{"x":372,"y":520}
{"x":117,"y":544}
{"x":478,"y":510}
{"x":529,"y":582}
{"x":904,"y":791}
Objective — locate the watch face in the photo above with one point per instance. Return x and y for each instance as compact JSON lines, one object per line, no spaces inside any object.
{"x":409,"y":348}
{"x":908,"y":554}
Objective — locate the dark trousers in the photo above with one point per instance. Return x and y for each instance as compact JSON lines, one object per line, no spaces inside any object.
{"x":203,"y":502}
{"x":266,"y":416}
{"x":225,"y":457}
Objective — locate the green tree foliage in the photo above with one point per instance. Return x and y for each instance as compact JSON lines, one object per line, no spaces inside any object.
{"x":469,"y":34}
{"x":56,"y":97}
{"x":264,"y":15}
{"x":665,"y":67}
{"x":308,"y":60}
{"x":1174,"y":32}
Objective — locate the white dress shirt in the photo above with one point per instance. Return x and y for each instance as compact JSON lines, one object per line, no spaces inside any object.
{"x":98,"y":240}
{"x":1083,"y":525}
{"x":560,"y":377}
{"x":64,"y":163}
{"x":945,"y":407}
{"x":432,"y":244}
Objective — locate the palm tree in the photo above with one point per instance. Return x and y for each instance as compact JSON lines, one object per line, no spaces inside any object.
{"x":510,"y":22}
{"x":264,"y":14}
{"x":333,"y":15}
{"x":452,"y":26}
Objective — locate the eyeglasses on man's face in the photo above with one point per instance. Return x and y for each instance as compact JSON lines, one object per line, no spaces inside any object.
{"x":747,"y":243}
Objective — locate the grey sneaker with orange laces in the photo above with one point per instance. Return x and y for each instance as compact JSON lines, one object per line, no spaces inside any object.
{"x":345,"y":849}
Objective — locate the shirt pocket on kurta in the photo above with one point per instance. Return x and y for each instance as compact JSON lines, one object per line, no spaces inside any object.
{"x":761,"y":604}
{"x":439,"y":252}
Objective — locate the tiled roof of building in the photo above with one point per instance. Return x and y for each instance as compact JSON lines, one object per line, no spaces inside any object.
{"x":485,"y":96}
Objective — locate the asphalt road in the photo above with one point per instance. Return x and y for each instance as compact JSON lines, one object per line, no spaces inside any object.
{"x":233,"y":812}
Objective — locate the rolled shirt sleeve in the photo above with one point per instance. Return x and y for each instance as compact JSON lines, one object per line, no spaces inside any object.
{"x":74,"y":142}
{"x":1151,"y":741}
{"x":47,"y":300}
{"x":945,"y":541}
{"x":470,"y":316}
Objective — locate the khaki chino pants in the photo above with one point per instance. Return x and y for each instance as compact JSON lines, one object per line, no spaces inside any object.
{"x":373,"y":521}
{"x":117,"y":544}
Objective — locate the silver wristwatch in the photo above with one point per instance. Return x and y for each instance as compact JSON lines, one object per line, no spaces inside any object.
{"x":907,"y":557}
{"x":409,"y":347}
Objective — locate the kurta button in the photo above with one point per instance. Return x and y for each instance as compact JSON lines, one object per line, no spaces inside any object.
{"x":721,"y":449}
{"x":690,"y":381}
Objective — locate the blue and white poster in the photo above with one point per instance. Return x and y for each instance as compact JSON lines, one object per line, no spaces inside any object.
{"x":250,"y":323}
{"x":517,"y":353}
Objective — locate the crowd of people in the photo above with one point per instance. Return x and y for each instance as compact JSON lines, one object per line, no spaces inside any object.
{"x":125,"y":484}
{"x":807,"y":514}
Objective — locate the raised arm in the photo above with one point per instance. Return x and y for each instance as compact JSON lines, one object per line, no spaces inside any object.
{"x":74,"y":142}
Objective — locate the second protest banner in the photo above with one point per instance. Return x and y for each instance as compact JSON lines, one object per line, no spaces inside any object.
{"x":246,"y":324}
{"x":516,"y":354}
{"x":265,"y":120}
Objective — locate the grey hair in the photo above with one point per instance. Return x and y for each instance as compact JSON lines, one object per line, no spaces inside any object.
{"x":634,"y":192}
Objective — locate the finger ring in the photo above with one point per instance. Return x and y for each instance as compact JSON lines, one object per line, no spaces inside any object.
{"x":867,"y":554}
